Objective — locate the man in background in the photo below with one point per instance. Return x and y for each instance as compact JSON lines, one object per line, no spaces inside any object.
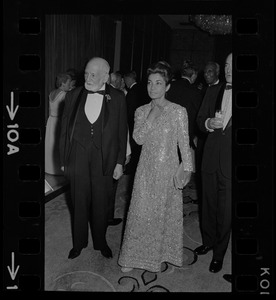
{"x":215,"y":118}
{"x":185,"y":93}
{"x":136,"y":96}
{"x":211,"y":73}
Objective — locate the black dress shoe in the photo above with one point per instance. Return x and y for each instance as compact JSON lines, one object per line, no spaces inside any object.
{"x":114,"y":222}
{"x":228,"y":277}
{"x":106,"y":252}
{"x":215,"y":266}
{"x":74,"y":253}
{"x":201,"y":250}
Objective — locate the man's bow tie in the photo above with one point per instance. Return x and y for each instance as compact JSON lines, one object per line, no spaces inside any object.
{"x":97,"y":92}
{"x":228,"y":87}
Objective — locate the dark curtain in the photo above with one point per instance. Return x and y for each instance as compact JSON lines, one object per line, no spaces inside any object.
{"x":71,"y":40}
{"x":145,"y":39}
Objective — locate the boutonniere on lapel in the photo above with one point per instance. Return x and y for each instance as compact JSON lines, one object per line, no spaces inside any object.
{"x":107,"y":98}
{"x":107,"y":94}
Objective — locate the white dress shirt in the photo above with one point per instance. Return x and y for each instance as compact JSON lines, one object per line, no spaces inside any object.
{"x":226,"y":109}
{"x":92,"y":109}
{"x":93,"y":106}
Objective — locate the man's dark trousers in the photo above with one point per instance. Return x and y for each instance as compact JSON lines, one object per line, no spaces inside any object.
{"x":90,"y":196}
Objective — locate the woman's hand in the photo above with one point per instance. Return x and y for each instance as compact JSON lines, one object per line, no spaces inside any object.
{"x":181,"y":178}
{"x":187,"y":178}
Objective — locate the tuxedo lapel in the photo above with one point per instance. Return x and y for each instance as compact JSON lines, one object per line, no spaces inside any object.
{"x":70,"y":124}
{"x":228,"y":124}
{"x":219,"y":98}
{"x":73,"y":117}
{"x":106,"y":106}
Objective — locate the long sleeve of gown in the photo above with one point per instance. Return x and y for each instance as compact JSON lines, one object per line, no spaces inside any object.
{"x":141,"y":126}
{"x":183,"y":139}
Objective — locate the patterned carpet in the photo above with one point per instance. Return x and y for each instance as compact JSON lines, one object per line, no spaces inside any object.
{"x":92,"y":272}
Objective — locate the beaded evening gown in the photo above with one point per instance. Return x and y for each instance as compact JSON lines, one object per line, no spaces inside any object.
{"x":52,"y":156}
{"x":154,"y":227}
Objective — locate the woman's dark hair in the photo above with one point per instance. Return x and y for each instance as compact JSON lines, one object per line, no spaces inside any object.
{"x":72,"y":72}
{"x":162,"y":68}
{"x":62,"y":78}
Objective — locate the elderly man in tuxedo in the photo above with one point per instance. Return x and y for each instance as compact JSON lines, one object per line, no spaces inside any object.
{"x":93,"y":151}
{"x":215,"y":117}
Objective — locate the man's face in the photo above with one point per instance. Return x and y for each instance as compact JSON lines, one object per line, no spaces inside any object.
{"x":193,"y":78}
{"x":118,"y":82}
{"x":210,"y":74}
{"x":228,"y":68}
{"x":96,"y":75}
{"x":127,"y":81}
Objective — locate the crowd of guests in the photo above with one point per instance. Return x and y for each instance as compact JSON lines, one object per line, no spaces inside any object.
{"x":162,"y":134}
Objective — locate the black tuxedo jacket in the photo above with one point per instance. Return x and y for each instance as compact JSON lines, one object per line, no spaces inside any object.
{"x":188,"y":96}
{"x":217,"y":151}
{"x":136,"y":97}
{"x":114,"y":127}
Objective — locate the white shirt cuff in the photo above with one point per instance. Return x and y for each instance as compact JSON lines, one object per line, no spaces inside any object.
{"x":206,"y":126}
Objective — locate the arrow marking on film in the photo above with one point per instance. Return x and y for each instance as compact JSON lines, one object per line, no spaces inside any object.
{"x":11,"y":110}
{"x":11,"y":271}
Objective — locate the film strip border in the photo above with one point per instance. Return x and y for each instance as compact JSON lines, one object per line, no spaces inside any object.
{"x":252,"y":244}
{"x":23,"y":151}
{"x":23,"y":154}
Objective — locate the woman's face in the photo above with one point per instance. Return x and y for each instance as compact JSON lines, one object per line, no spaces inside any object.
{"x":157,"y":87}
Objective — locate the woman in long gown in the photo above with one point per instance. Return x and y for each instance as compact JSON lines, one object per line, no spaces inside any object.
{"x":154,"y":227}
{"x":56,"y":98}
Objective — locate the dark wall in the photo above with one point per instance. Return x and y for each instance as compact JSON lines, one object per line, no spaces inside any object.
{"x":200,"y":47}
{"x":192,"y":44}
{"x":222,"y":47}
{"x":70,"y":40}
{"x":145,"y":39}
